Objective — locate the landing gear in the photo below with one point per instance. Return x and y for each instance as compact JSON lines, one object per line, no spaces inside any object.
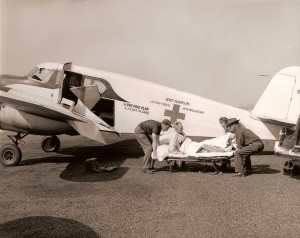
{"x":50,"y":144}
{"x":10,"y":154}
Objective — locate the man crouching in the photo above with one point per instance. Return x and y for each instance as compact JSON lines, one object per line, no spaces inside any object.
{"x":248,"y":143}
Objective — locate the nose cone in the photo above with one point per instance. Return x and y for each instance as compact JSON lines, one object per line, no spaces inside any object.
{"x":1,"y":76}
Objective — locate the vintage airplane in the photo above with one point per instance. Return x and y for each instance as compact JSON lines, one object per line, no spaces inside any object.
{"x":55,"y":99}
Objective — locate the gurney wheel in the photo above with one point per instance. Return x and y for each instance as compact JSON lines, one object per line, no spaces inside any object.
{"x":223,"y":167}
{"x":179,"y":164}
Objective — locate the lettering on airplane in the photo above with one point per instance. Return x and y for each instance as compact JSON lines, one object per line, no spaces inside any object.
{"x":192,"y":110}
{"x":160,"y":103}
{"x":177,"y":101}
{"x":175,"y":113}
{"x":136,"y":108}
{"x":185,"y":108}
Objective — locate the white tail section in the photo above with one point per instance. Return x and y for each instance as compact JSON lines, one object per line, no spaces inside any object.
{"x":280,"y":102}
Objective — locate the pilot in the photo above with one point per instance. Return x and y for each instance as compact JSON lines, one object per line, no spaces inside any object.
{"x":248,"y":143}
{"x":147,"y":134}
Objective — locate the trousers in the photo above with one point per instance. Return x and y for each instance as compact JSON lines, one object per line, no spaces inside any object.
{"x":242,"y":156}
{"x":146,"y":144}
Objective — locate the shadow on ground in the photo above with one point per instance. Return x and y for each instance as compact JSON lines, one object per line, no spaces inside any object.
{"x":110,"y":155}
{"x":201,"y":167}
{"x":264,"y":169}
{"x":45,"y":226}
{"x":266,"y":152}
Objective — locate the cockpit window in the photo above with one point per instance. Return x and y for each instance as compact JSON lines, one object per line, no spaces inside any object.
{"x":42,"y":75}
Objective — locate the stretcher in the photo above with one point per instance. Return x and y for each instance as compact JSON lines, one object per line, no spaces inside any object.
{"x":219,"y":160}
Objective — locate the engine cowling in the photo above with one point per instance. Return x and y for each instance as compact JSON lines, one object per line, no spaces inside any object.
{"x":15,"y":120}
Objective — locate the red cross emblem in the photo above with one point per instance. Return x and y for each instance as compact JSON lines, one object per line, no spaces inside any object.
{"x":174,"y":113}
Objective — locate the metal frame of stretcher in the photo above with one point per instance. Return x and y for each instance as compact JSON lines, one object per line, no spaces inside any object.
{"x":179,"y":162}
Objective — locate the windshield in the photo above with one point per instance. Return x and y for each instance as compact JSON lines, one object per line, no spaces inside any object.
{"x":42,"y":75}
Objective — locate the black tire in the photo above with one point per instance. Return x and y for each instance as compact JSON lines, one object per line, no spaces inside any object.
{"x":11,"y":155}
{"x":50,"y":144}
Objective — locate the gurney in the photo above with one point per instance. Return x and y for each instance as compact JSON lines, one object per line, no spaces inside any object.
{"x":219,"y":160}
{"x":191,"y":151}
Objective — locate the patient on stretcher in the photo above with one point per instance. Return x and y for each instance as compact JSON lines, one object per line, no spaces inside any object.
{"x":176,"y":138}
{"x":176,"y":142}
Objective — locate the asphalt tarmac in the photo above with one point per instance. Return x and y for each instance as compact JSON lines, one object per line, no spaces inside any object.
{"x":52,"y":195}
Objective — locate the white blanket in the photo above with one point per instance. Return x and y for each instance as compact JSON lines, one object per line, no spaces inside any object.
{"x":202,"y":155}
{"x":190,"y":148}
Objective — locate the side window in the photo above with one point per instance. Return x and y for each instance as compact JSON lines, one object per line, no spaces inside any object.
{"x":43,"y":75}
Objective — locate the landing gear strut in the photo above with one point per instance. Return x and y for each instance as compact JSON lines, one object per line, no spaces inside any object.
{"x":10,"y":154}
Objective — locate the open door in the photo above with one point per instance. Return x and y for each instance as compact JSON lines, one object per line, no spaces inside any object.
{"x":70,"y":81}
{"x":60,"y":78}
{"x":92,"y":126}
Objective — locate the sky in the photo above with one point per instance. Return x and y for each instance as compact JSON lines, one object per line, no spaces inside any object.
{"x":224,"y":50}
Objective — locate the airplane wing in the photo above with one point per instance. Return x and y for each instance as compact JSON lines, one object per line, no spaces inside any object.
{"x":38,"y":106}
{"x":80,"y":117}
{"x":88,"y":129}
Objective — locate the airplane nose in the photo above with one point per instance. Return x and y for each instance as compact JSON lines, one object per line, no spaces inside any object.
{"x":1,"y":77}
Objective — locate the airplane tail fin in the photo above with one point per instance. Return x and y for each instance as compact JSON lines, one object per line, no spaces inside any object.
{"x":280,"y":101}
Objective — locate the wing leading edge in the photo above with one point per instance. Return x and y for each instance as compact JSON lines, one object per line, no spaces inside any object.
{"x":81,"y":119}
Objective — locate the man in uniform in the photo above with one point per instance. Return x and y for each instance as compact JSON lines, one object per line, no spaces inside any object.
{"x":248,"y":143}
{"x":147,"y":133}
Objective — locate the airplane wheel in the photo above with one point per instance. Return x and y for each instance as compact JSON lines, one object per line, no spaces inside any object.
{"x":50,"y":144}
{"x":10,"y":155}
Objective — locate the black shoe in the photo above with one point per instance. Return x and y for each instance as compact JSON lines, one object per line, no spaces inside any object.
{"x":148,"y":171}
{"x":154,"y":169}
{"x":249,"y":171}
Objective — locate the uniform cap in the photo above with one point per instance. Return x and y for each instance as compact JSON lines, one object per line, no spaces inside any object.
{"x":231,"y":121}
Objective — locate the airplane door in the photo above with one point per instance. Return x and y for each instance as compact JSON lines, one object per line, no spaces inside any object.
{"x":60,"y":78}
{"x":82,"y":110}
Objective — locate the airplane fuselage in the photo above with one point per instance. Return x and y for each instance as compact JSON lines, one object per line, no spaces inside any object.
{"x":123,"y":102}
